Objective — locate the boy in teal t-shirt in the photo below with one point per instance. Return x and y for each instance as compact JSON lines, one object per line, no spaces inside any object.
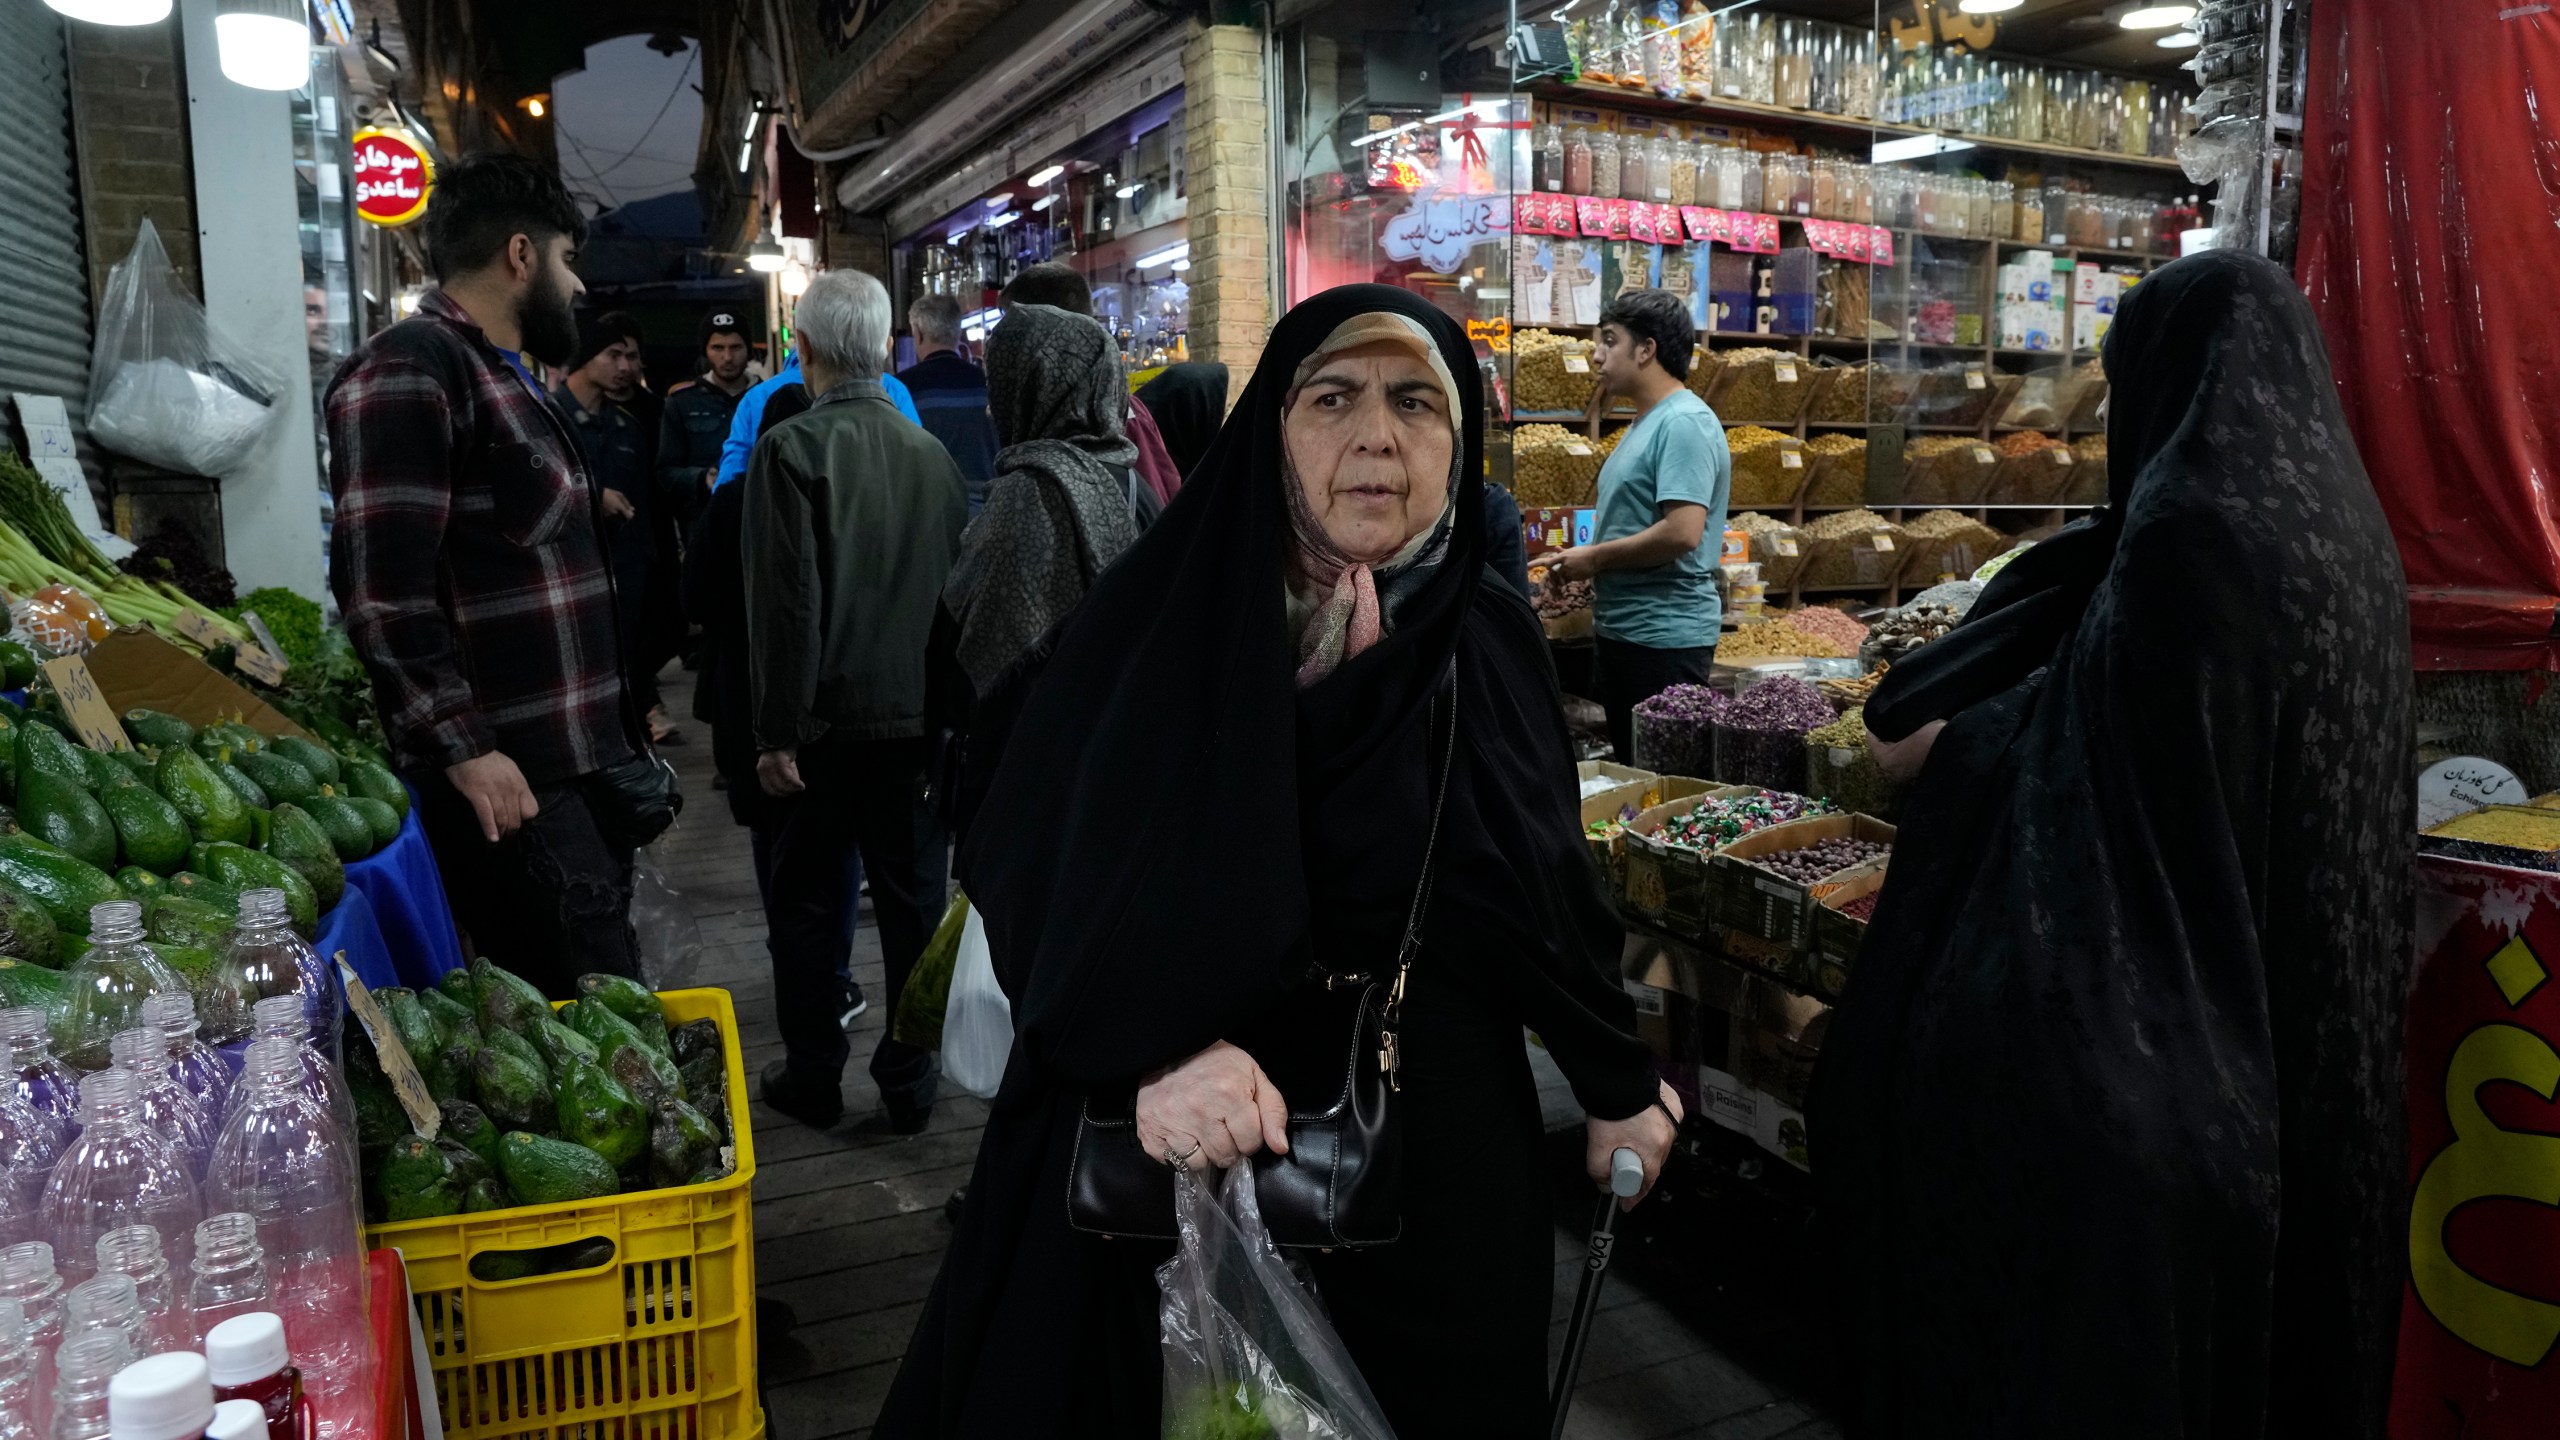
{"x":1659,"y":532}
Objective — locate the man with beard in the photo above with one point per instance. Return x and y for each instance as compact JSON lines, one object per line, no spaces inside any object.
{"x":698,"y":415}
{"x":470,"y":563}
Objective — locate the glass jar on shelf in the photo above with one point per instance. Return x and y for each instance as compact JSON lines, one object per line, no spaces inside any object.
{"x":1633,"y":163}
{"x":1830,"y":78}
{"x":2133,"y":224}
{"x":2057,"y":213}
{"x":1547,"y":164}
{"x":1777,"y":183}
{"x":1999,"y":215}
{"x":1826,"y":188}
{"x":1684,"y":172}
{"x":2057,"y":107}
{"x":1604,"y":165}
{"x":2088,"y":111}
{"x":2027,"y":222}
{"x":1758,"y":37}
{"x":2133,"y":127}
{"x":1928,"y":195}
{"x":1858,"y":183}
{"x":1753,"y":174}
{"x":1858,"y":74}
{"x":1578,"y":155}
{"x":1658,"y":161}
{"x":1792,"y":83}
{"x":1977,"y":208}
{"x":2089,"y":226}
{"x":2026,"y":101}
{"x":2108,"y":94}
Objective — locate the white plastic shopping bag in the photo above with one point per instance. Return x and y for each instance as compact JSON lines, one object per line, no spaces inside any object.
{"x":1247,"y":1347}
{"x":977,"y":1023}
{"x":163,"y":386}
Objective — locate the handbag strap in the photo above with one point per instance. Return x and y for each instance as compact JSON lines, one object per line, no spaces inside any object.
{"x":1389,"y":1057}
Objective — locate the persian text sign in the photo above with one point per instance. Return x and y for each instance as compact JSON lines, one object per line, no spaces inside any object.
{"x":1439,"y":233}
{"x":393,"y":176}
{"x":2481,"y":1322}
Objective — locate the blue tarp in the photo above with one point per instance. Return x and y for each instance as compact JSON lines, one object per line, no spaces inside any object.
{"x":393,"y":922}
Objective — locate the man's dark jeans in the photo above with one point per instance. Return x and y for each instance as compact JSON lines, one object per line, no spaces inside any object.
{"x":761,"y":840}
{"x":1627,"y":675}
{"x":551,"y":902}
{"x":865,"y":795}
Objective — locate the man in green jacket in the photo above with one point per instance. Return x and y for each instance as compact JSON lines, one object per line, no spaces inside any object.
{"x":852,"y":519}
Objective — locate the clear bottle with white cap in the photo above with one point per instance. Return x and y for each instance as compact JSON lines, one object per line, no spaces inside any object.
{"x":116,"y":1174}
{"x":134,"y":1251}
{"x":250,"y":1362}
{"x":203,"y":1070}
{"x":282,"y":1159}
{"x":237,"y":1420}
{"x":169,"y":1110}
{"x":161,"y":1397}
{"x":104,"y":989}
{"x":82,"y":1370}
{"x":231,"y":1275}
{"x":21,"y":1394}
{"x":108,"y":1302}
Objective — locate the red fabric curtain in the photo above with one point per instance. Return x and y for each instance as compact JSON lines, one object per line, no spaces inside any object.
{"x":2431,"y":249}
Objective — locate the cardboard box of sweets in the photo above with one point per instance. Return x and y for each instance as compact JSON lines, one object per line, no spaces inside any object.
{"x":1758,"y":901}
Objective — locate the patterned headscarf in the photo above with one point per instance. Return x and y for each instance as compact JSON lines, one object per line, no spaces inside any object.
{"x":1342,"y":606}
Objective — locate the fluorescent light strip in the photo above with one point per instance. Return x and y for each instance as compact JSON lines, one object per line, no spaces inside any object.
{"x":754,"y":118}
{"x":1166,"y":255}
{"x":1917,"y":147}
{"x":1044,"y":202}
{"x":1043,"y":177}
{"x":746,"y":152}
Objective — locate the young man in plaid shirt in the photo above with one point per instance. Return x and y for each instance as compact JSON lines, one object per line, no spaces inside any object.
{"x":471,"y":570}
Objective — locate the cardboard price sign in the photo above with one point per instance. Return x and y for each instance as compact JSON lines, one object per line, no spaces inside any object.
{"x":397,"y":1067}
{"x":86,"y":709}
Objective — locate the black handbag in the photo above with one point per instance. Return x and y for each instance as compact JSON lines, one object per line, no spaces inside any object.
{"x":634,"y":801}
{"x":1341,"y":1184}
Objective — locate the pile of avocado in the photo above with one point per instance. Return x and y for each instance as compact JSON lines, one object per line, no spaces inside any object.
{"x":183,"y":822}
{"x":538,"y":1107}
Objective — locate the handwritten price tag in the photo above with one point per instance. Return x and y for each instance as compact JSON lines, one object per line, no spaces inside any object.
{"x":1786,"y":372}
{"x":1576,"y":365}
{"x":88,"y":711}
{"x":1790,"y":460}
{"x":202,"y":631}
{"x":397,"y":1067}
{"x":1974,"y":379}
{"x":1787,"y":547}
{"x":260,"y":666}
{"x":1882,"y":542}
{"x":1985,"y":455}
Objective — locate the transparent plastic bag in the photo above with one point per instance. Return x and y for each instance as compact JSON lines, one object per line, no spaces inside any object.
{"x":1247,"y":1347}
{"x":977,"y":1020}
{"x":670,"y":939}
{"x":163,"y":387}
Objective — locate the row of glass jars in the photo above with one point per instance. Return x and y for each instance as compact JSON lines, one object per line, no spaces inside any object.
{"x":1832,"y":69}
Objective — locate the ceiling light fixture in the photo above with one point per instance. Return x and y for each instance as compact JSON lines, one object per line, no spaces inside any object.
{"x":755,"y":117}
{"x":1130,"y":189}
{"x":998,"y":202}
{"x":2181,"y":40}
{"x":264,"y":44}
{"x":113,"y":12}
{"x":746,"y":155}
{"x":1043,"y":177}
{"x":1044,"y":202}
{"x":1178,"y":251}
{"x":1004,"y":219}
{"x":2143,"y":16}
{"x":1916,"y":147}
{"x":765,"y":256}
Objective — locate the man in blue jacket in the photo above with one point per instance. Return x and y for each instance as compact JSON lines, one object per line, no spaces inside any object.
{"x":749,"y":421}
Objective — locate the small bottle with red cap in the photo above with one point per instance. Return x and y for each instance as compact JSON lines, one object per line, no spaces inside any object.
{"x":249,"y":1362}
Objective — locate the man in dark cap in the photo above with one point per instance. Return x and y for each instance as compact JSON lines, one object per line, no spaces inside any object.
{"x":698,"y":414}
{"x":602,"y":377}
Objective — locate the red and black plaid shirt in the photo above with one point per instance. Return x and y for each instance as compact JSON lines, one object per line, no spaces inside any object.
{"x":466,"y":556}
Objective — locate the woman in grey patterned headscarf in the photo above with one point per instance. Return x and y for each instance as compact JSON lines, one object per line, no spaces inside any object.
{"x":1059,"y":509}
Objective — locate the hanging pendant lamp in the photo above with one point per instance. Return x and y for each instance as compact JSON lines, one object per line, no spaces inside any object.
{"x":266,"y":44}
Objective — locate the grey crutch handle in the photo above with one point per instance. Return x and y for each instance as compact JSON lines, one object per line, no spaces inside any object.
{"x":1626,"y":1173}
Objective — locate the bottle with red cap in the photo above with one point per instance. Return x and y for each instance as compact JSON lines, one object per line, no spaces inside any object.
{"x":249,"y":1362}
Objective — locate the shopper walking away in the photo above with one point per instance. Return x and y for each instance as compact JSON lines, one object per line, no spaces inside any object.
{"x":1053,"y":283}
{"x":470,"y":563}
{"x":1652,"y":560}
{"x":1187,"y":402}
{"x":951,"y":393}
{"x":1230,"y":760}
{"x":698,"y":413}
{"x":2109,"y":1124}
{"x":602,"y":377}
{"x":850,"y":519}
{"x":746,"y":424}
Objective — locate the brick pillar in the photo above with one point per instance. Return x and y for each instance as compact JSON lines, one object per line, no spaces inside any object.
{"x":1227,"y":139}
{"x":129,"y":107}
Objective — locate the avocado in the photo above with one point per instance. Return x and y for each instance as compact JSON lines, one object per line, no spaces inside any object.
{"x":381,"y":819}
{"x":376,"y":782}
{"x":47,"y":713}
{"x":42,"y":750}
{"x":65,"y":885}
{"x":379,"y":1118}
{"x":262,"y":828}
{"x":350,"y":834}
{"x":630,"y":1065}
{"x":309,"y":755}
{"x":66,"y":816}
{"x":468,"y":1166}
{"x":11,"y":709}
{"x":418,"y":1181}
{"x":507,"y":1001}
{"x":458,"y":986}
{"x":242,"y":868}
{"x":212,"y":809}
{"x":487,"y":1193}
{"x":142,"y":760}
{"x":471,"y":1127}
{"x":598,"y":1112}
{"x":157,"y":727}
{"x":550,"y":1172}
{"x":17,"y":665}
{"x":422,"y":1036}
{"x":9,"y":755}
{"x":192,"y":964}
{"x":515,"y":1091}
{"x":153,"y":835}
{"x":462,"y":1039}
{"x":285,"y":781}
{"x":27,"y":931}
{"x":632,"y":1001}
{"x":211,"y":741}
{"x":105,"y":771}
{"x":682,"y":1140}
{"x":516,"y":1045}
{"x":299,"y":842}
{"x":611,"y":1035}
{"x":141,"y":884}
{"x":693,"y":1038}
{"x":706,"y":1082}
{"x":251,"y":793}
{"x":559,"y":1044}
{"x":206,"y":889}
{"x":25,"y":984}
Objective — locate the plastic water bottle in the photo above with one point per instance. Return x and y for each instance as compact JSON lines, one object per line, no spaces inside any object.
{"x":169,"y":1110}
{"x":264,"y":958}
{"x":21,"y":1394}
{"x":200,"y":1068}
{"x":28,"y":1279}
{"x":280,"y":1017}
{"x":43,"y":1081}
{"x":134,"y":1252}
{"x":105,"y":1302}
{"x":104,"y":989}
{"x":282,"y":1159}
{"x":81,"y":1372}
{"x":30,"y":1142}
{"x":161,"y":1397}
{"x":231,"y":1277}
{"x":115,"y":1174}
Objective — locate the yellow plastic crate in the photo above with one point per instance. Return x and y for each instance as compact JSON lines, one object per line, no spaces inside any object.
{"x":656,"y":1342}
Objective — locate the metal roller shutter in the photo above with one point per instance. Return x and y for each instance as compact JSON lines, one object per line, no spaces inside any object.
{"x":44,"y":280}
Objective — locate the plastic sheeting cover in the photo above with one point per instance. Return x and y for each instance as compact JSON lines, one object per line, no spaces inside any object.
{"x":2431,"y":195}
